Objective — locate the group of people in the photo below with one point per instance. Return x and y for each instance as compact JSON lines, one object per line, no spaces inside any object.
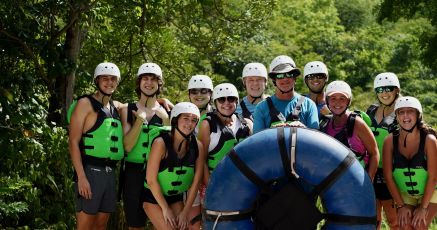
{"x":168,"y":152}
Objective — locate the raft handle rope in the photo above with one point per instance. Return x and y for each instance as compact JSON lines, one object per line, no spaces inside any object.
{"x":293,"y":132}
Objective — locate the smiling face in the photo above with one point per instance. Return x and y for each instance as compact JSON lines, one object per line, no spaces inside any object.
{"x":149,"y":84}
{"x":285,"y":84}
{"x":255,"y":86}
{"x":338,"y":103}
{"x":387,"y":97}
{"x":407,"y":117}
{"x":200,"y":97}
{"x":107,"y":83}
{"x":316,"y":82}
{"x":187,"y":123}
{"x":226,"y":105}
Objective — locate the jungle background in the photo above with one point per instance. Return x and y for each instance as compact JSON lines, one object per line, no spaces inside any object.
{"x":49,"y":49}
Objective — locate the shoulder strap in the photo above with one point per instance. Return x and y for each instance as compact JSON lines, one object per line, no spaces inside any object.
{"x":372,"y":110}
{"x":246,"y":113}
{"x":351,"y":124}
{"x":275,"y":115}
{"x":297,"y":109}
{"x":211,"y":117}
{"x":131,"y":107}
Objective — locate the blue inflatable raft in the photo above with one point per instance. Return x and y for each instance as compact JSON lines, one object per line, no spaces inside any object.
{"x":322,"y":162}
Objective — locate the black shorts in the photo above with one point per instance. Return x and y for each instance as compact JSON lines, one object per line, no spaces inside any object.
{"x":134,"y":177}
{"x":103,"y":188}
{"x":149,"y":198}
{"x":381,"y":190}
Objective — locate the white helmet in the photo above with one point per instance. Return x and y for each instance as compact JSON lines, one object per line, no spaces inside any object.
{"x":150,"y":68}
{"x":339,"y":87}
{"x":184,"y":107}
{"x":281,"y":59}
{"x":254,"y":69}
{"x":225,"y":90}
{"x":107,"y":68}
{"x":386,"y":79}
{"x":199,"y":82}
{"x":315,"y":67}
{"x":411,"y":102}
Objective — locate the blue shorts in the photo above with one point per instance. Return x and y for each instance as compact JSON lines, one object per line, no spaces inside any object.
{"x":103,"y":188}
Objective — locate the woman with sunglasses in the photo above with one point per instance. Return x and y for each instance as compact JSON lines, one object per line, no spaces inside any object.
{"x":199,"y":91}
{"x":138,"y":118}
{"x":222,"y":129}
{"x":349,"y":128}
{"x":382,"y":115}
{"x":316,"y":76}
{"x":410,"y":166}
{"x":174,"y":166}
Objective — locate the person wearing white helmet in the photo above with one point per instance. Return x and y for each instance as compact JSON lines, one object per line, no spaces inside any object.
{"x":138,"y":119}
{"x":163,"y":201}
{"x":200,"y":93}
{"x":255,"y":81}
{"x":349,"y":128}
{"x":316,"y":76}
{"x":222,"y":129}
{"x":410,"y":166}
{"x":285,"y":106}
{"x":96,"y":145}
{"x":383,"y":118}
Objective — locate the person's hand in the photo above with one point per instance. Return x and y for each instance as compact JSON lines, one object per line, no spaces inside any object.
{"x":169,"y":217}
{"x":140,"y":114}
{"x":182,"y":220}
{"x":419,"y":217}
{"x":164,"y":102}
{"x":295,"y":124}
{"x":404,"y":216}
{"x":84,"y":188}
{"x":160,"y":112}
{"x":325,"y":110}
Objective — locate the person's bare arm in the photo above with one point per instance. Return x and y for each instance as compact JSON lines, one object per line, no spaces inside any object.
{"x":366,"y":136}
{"x":204,"y":138}
{"x":82,"y":110}
{"x":131,"y":133}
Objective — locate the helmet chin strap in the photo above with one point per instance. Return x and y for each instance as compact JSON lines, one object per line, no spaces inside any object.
{"x":285,"y":92}
{"x":255,"y":98}
{"x":186,"y":138}
{"x":408,"y":132}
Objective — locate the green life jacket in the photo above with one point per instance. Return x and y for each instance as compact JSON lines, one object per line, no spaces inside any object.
{"x":410,"y":175}
{"x":140,"y":152}
{"x":347,"y":131}
{"x":381,"y":130}
{"x":227,"y":139}
{"x":176,"y":175}
{"x":105,"y":139}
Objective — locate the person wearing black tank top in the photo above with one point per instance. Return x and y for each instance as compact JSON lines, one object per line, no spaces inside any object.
{"x":410,"y":166}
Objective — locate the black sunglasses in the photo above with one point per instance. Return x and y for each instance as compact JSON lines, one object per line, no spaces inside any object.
{"x":316,"y":76}
{"x":385,"y":89}
{"x":222,"y":100}
{"x":197,"y":91}
{"x":291,"y":74}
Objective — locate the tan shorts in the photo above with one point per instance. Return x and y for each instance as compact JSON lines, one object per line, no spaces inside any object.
{"x":415,"y":200}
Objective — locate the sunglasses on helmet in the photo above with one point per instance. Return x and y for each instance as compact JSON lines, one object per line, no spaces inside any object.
{"x":291,"y":74}
{"x":197,"y":91}
{"x":222,"y":100}
{"x":385,"y":89}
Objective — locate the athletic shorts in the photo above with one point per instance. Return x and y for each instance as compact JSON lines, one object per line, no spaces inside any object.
{"x":381,"y":190}
{"x":415,"y":200}
{"x":134,"y":176}
{"x":149,"y":198}
{"x":196,"y":201}
{"x":103,"y":188}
